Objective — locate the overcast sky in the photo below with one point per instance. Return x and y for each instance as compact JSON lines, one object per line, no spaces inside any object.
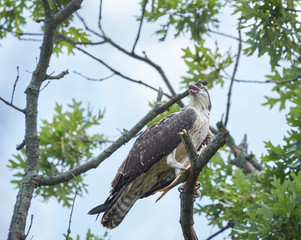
{"x":125,"y":103}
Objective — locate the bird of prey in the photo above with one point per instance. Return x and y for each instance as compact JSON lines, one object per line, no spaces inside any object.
{"x":157,"y":157}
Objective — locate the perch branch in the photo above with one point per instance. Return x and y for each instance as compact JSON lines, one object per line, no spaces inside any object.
{"x":94,"y":163}
{"x":197,"y":165}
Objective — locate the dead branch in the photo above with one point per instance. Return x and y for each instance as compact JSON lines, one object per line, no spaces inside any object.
{"x":242,"y":158}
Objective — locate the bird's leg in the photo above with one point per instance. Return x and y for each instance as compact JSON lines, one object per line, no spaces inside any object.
{"x":172,"y":162}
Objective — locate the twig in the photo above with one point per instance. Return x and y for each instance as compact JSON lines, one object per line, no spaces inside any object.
{"x":13,"y":106}
{"x":262,"y":82}
{"x":229,"y":225}
{"x":40,"y":180}
{"x":291,"y":9}
{"x":72,"y":207}
{"x":100,"y":17}
{"x":233,"y":76}
{"x":148,"y":61}
{"x":46,"y":85}
{"x":117,"y":72}
{"x":131,"y":54}
{"x":224,"y":34}
{"x":160,"y":95}
{"x":94,"y":79}
{"x":21,"y":145}
{"x":30,"y":225}
{"x":56,"y":77}
{"x":15,"y":84}
{"x":140,"y":25}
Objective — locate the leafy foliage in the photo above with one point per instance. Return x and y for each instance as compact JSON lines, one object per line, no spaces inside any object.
{"x":65,"y":143}
{"x":205,"y":64}
{"x":91,"y":236}
{"x":14,"y":17}
{"x":192,"y":17}
{"x":272,"y":26}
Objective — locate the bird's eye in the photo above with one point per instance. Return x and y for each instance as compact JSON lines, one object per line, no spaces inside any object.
{"x":200,"y":85}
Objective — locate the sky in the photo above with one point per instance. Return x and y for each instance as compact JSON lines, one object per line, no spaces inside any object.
{"x":125,"y":103}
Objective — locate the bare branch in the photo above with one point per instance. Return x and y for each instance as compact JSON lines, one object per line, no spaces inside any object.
{"x":291,"y":9}
{"x":242,"y":158}
{"x":100,"y":17}
{"x":117,"y":72}
{"x":230,"y":224}
{"x":31,"y":221}
{"x":233,"y":76}
{"x":15,"y":84}
{"x":94,"y":163}
{"x":140,"y":25}
{"x":224,"y":35}
{"x":131,"y":54}
{"x":20,"y":146}
{"x":94,"y":79}
{"x":160,"y":95}
{"x":72,"y":207}
{"x":57,"y":77}
{"x":46,"y":85}
{"x":13,"y":106}
{"x":148,"y":61}
{"x":263,"y":81}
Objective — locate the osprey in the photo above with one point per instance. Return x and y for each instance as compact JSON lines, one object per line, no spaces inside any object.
{"x":156,"y":157}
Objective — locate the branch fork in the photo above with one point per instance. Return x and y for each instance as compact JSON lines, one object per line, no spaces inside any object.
{"x":198,"y":162}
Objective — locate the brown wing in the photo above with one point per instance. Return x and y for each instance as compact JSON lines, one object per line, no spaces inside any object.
{"x":152,"y":145}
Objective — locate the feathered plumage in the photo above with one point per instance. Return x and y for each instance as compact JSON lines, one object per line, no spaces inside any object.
{"x":148,"y":168}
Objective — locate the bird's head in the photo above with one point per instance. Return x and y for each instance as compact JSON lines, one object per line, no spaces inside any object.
{"x":199,"y":95}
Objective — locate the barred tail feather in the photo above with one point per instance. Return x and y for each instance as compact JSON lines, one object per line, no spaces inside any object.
{"x":114,"y":215}
{"x":116,"y":207}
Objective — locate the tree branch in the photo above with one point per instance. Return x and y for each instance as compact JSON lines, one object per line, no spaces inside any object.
{"x":131,"y":54}
{"x":229,"y":225}
{"x":233,"y":76}
{"x":115,"y":72}
{"x":15,"y":85}
{"x":72,"y":207}
{"x":57,"y":77}
{"x":67,"y":11}
{"x":40,"y":180}
{"x":148,"y":61}
{"x":197,"y":165}
{"x":25,"y":193}
{"x":13,"y":106}
{"x":242,"y":158}
{"x":140,"y":25}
